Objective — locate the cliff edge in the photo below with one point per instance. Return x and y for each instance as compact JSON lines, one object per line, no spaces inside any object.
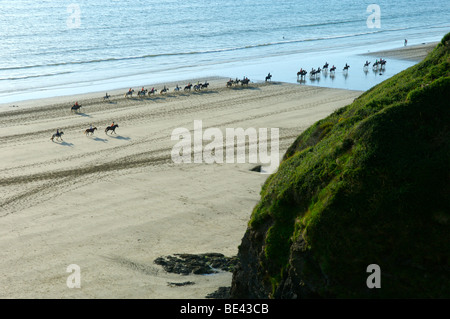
{"x":368,"y":185}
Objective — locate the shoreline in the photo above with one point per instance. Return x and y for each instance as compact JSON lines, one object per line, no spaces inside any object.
{"x":413,"y":53}
{"x":115,"y":93}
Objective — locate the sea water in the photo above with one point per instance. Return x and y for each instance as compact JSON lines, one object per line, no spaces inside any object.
{"x":50,"y":48}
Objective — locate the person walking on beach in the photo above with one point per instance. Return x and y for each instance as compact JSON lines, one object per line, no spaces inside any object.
{"x":406,"y":42}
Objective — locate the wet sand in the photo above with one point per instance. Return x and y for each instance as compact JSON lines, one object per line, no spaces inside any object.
{"x":412,"y":53}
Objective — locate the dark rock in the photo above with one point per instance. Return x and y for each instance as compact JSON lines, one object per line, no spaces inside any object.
{"x":256,"y":169}
{"x":221,"y":293}
{"x":201,"y":264}
{"x":180,"y":284}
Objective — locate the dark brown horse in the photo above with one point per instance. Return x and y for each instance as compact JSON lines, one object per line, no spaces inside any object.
{"x":301,"y":73}
{"x":90,"y":131}
{"x":75,"y":107}
{"x":245,"y":81}
{"x":57,"y":136}
{"x":111,"y":128}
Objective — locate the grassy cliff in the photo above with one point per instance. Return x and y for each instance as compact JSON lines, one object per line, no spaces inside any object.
{"x":369,"y":184}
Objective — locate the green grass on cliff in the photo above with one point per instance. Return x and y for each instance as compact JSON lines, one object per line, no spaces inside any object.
{"x":370,"y":184}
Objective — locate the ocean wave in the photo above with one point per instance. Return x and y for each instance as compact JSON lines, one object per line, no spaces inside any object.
{"x":14,"y":78}
{"x":197,"y":52}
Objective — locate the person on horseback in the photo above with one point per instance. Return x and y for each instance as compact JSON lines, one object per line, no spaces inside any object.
{"x":112,"y":125}
{"x":57,"y":132}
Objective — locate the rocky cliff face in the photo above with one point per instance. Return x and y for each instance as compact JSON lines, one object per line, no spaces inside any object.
{"x":370,"y":184}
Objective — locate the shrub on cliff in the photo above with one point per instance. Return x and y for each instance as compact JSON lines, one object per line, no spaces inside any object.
{"x":370,"y":184}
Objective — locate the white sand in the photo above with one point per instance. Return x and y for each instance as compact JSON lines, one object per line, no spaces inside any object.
{"x":113,"y":204}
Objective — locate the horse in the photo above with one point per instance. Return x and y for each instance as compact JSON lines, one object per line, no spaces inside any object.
{"x":325,"y":66}
{"x":90,"y":131}
{"x":75,"y":107}
{"x":269,"y":77}
{"x":197,"y":87}
{"x":164,"y":90}
{"x":106,"y":97}
{"x":142,"y":92}
{"x":245,"y":81}
{"x":301,"y":73}
{"x":313,"y":73}
{"x":188,"y":87}
{"x":375,"y":65}
{"x":57,"y":136}
{"x":152,"y":91}
{"x":129,"y":93}
{"x":205,"y":85}
{"x":318,"y":71}
{"x":177,"y":88}
{"x":230,"y":83}
{"x":346,"y":67}
{"x":366,"y":65}
{"x":111,"y":128}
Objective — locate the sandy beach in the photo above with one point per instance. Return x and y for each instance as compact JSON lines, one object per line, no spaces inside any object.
{"x":112,"y":204}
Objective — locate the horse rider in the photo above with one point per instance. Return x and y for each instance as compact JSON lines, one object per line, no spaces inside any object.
{"x":57,"y":132}
{"x":112,"y":124}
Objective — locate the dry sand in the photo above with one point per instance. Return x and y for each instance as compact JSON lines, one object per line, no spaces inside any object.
{"x":113,"y":204}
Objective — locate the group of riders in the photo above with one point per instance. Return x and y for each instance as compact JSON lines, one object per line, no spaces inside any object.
{"x":90,"y":129}
{"x":245,"y":80}
{"x":303,"y":72}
